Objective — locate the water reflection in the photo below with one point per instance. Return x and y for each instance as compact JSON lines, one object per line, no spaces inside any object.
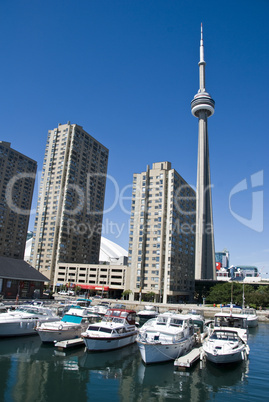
{"x":226,"y":377}
{"x":31,"y":371}
{"x":112,"y":363}
{"x":20,"y":347}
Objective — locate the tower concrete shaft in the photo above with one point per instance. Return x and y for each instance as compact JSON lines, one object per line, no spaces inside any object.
{"x":202,"y":107}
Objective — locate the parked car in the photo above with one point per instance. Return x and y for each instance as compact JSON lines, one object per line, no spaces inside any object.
{"x":48,"y":295}
{"x":63,"y":293}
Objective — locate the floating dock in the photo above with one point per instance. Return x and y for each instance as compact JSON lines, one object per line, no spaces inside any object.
{"x":70,"y":343}
{"x":187,"y":361}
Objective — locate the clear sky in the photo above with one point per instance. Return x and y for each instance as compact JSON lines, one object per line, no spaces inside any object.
{"x":127,"y":70}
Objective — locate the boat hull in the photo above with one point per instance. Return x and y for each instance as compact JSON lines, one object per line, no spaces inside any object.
{"x":252,"y":322}
{"x":94,"y":344}
{"x":162,"y":352}
{"x":18,"y":328}
{"x":228,"y":358}
{"x":57,"y":335}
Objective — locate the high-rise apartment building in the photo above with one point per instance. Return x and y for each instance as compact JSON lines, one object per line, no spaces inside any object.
{"x":162,"y":235}
{"x":71,"y":200}
{"x":17,"y":179}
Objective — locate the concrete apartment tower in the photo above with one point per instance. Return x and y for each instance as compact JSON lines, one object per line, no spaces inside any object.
{"x":17,"y":179}
{"x":202,"y":106}
{"x":162,"y":239}
{"x":71,"y":200}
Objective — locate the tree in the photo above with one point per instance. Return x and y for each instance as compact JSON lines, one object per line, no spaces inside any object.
{"x":224,"y":293}
{"x":77,"y":289}
{"x":126,"y":293}
{"x":149,"y":296}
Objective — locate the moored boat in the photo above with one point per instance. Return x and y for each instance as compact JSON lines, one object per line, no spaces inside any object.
{"x":23,"y":320}
{"x":100,"y":308}
{"x":230,"y":320}
{"x":75,"y":321}
{"x":200,"y":327}
{"x":166,"y":337}
{"x":149,"y":312}
{"x":116,"y":330}
{"x":225,"y":346}
{"x":252,"y":318}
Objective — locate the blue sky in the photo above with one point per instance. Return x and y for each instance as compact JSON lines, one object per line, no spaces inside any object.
{"x":127,"y":70}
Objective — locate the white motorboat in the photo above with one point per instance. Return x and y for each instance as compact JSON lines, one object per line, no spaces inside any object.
{"x":230,"y":320}
{"x":200,"y":327}
{"x":116,"y":330}
{"x":23,"y":320}
{"x":166,"y":337}
{"x":100,"y":308}
{"x":224,"y":346}
{"x":252,"y":318}
{"x":149,"y":312}
{"x":75,"y":321}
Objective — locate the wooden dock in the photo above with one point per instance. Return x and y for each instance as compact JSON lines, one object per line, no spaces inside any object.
{"x":70,"y":343}
{"x":187,"y":361}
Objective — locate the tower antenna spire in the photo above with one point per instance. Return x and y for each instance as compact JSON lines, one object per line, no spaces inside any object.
{"x":202,"y":63}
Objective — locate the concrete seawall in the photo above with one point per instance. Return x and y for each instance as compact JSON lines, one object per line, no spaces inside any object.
{"x":209,"y":312}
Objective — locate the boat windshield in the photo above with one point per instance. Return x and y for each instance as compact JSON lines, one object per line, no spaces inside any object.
{"x":249,"y":311}
{"x":230,"y":321}
{"x":162,"y":320}
{"x":118,"y":320}
{"x":30,"y":310}
{"x":224,"y":336}
{"x":175,"y":322}
{"x":99,"y":329}
{"x":113,"y":313}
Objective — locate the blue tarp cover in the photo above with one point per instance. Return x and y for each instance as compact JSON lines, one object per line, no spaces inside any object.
{"x":72,"y":318}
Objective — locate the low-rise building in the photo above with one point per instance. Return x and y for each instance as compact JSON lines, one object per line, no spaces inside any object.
{"x":19,"y":279}
{"x":107,"y":279}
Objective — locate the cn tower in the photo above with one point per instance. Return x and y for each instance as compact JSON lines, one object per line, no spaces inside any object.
{"x":202,"y":107}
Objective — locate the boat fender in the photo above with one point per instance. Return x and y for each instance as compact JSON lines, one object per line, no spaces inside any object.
{"x":60,"y":327}
{"x":202,"y":355}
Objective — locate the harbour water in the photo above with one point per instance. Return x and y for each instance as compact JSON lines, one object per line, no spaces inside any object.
{"x":31,"y":371}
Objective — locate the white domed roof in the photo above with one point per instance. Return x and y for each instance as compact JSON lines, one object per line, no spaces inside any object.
{"x":109,"y":251}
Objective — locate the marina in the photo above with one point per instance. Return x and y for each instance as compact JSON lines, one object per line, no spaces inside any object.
{"x":74,"y":374}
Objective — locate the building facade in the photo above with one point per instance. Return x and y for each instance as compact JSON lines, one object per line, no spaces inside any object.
{"x":17,"y":180}
{"x":222,"y":259}
{"x":69,"y":215}
{"x":107,"y":279}
{"x":162,"y":235}
{"x":19,"y":279}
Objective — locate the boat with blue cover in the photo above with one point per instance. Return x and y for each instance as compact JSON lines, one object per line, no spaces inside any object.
{"x":75,"y":321}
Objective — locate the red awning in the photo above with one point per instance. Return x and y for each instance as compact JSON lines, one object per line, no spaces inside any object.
{"x":94,"y":287}
{"x":82,"y":286}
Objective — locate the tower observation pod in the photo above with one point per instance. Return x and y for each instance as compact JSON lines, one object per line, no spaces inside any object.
{"x":202,"y":107}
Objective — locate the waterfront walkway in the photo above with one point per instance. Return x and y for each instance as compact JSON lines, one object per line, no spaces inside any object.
{"x":208,"y":311}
